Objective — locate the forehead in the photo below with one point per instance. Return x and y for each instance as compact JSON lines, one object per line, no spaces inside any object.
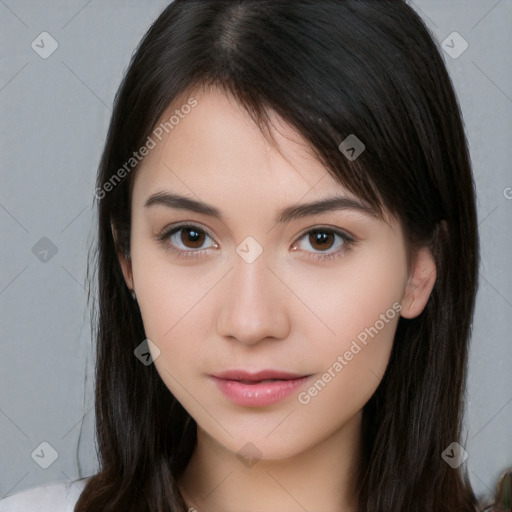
{"x":216,"y":145}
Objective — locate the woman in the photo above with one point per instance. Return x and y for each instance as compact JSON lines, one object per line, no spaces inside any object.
{"x":287,"y":265}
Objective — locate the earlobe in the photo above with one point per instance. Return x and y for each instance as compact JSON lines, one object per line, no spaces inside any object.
{"x":420,"y":284}
{"x":124,"y":261}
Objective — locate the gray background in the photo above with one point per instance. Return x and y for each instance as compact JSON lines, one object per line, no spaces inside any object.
{"x":54,"y":118}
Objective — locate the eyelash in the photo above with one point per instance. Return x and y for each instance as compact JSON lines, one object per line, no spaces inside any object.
{"x":164,"y":236}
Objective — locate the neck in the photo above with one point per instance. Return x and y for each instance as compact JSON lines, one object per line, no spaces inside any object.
{"x":318,"y":479}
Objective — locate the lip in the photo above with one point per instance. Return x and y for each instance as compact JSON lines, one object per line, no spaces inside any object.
{"x":248,"y":389}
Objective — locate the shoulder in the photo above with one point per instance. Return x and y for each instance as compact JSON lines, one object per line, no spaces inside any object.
{"x":58,"y":497}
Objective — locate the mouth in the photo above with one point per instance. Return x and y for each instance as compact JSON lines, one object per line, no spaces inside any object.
{"x":257,"y":389}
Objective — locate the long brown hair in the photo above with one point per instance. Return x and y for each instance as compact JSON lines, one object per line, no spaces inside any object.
{"x":330,"y":68}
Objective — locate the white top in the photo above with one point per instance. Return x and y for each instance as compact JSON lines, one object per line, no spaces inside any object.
{"x":59,"y":497}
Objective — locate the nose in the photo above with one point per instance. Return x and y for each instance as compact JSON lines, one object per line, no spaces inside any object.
{"x":253,"y":306}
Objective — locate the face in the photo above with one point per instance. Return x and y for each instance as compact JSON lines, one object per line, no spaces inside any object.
{"x":239,"y":298}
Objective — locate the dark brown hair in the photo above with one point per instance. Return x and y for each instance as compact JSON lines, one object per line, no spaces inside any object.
{"x":329,"y":68}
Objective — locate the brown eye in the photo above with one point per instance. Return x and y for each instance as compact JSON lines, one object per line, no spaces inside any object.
{"x":321,"y":240}
{"x":186,"y":240}
{"x":191,"y":237}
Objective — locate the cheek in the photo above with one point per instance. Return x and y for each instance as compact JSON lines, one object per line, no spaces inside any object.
{"x":169,"y":310}
{"x":176,"y":307}
{"x":359,"y":308}
{"x":346,"y":300}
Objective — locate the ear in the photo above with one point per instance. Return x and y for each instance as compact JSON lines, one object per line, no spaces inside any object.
{"x":124,"y":260}
{"x":420,"y":284}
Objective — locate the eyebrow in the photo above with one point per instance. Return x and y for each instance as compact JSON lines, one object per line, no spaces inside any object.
{"x":177,"y":201}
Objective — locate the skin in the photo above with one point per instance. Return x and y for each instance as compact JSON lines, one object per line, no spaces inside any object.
{"x":286,"y":310}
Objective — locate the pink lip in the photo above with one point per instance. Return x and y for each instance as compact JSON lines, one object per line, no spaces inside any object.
{"x":247,"y":389}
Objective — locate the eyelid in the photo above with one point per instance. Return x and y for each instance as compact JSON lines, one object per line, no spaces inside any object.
{"x":167,"y":231}
{"x":327,"y":227}
{"x":348,"y":241}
